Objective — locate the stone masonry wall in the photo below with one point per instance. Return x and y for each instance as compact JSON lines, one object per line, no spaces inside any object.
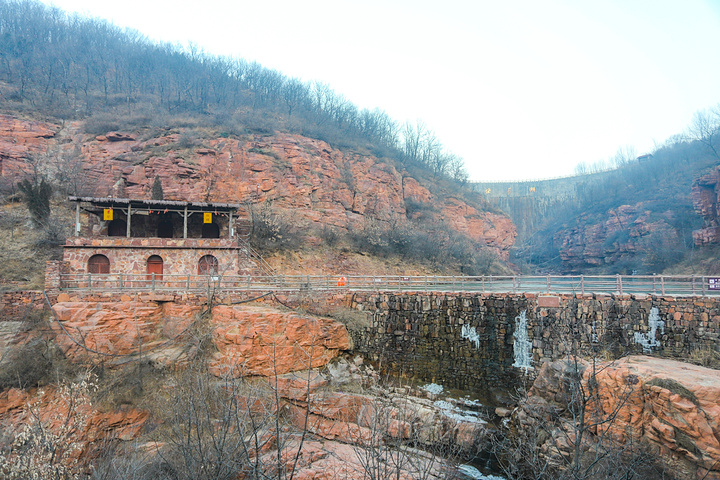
{"x":17,"y":305}
{"x":467,"y":341}
{"x":180,"y":261}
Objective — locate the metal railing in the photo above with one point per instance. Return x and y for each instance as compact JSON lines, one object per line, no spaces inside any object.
{"x":617,"y":284}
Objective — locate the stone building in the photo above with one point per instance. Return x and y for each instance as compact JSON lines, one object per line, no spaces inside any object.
{"x":137,"y":240}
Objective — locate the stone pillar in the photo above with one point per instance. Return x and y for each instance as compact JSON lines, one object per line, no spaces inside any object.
{"x":53,"y":269}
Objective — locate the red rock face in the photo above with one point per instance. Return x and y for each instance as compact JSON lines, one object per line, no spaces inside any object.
{"x":671,"y":405}
{"x":617,"y":234}
{"x":316,"y":184}
{"x":249,"y":340}
{"x":264,"y":341}
{"x":19,"y":141}
{"x":706,"y":200}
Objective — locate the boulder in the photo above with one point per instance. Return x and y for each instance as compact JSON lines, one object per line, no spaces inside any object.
{"x":670,"y":406}
{"x":265,"y":341}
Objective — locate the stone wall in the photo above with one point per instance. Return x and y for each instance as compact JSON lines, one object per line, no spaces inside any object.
{"x":16,"y":306}
{"x":469,"y":341}
{"x":177,"y":259}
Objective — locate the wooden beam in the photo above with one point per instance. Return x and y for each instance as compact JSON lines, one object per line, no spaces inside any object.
{"x":77,"y":219}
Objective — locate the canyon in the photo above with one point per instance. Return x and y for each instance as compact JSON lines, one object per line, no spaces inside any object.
{"x":656,"y":400}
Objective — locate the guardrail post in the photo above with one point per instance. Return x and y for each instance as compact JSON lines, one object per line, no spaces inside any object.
{"x":582,"y":284}
{"x":693,"y":284}
{"x":513,"y":284}
{"x":548,"y":283}
{"x":618,"y":284}
{"x":153,"y":282}
{"x":120,"y":281}
{"x":426,"y":283}
{"x":662,"y":285}
{"x":89,"y":280}
{"x":483,"y":283}
{"x":654,"y":281}
{"x":702,"y":285}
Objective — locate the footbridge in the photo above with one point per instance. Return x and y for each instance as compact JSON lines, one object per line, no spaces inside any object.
{"x":549,"y":284}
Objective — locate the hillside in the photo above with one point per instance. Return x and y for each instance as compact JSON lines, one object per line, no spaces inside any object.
{"x":96,"y":110}
{"x":303,"y":194}
{"x":637,"y":218}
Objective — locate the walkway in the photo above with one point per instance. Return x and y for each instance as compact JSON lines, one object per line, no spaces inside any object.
{"x":582,"y":284}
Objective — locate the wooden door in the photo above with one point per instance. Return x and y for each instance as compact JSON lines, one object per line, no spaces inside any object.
{"x":154,"y":265}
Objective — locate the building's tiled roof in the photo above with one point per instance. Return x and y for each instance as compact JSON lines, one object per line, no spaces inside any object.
{"x":155,"y":204}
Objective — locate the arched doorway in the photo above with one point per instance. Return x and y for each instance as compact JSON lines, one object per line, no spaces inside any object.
{"x":210,"y":230}
{"x":98,"y":264}
{"x":154,"y":265}
{"x":208,"y":265}
{"x":117,"y":228}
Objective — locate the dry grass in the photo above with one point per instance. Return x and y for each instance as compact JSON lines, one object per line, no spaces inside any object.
{"x":705,"y":357}
{"x":24,"y":250}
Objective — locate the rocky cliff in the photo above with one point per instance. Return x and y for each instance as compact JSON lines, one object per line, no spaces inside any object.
{"x":706,"y":201}
{"x":669,"y":407}
{"x":623,"y":239}
{"x":316,"y":184}
{"x":316,"y":423}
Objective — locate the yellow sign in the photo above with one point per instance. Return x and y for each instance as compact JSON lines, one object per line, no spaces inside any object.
{"x":207,"y":217}
{"x":107,"y":214}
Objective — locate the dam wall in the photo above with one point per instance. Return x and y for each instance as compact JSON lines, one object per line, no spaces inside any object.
{"x":471,"y":341}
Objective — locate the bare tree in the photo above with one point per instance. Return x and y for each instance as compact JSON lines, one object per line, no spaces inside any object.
{"x":705,"y":127}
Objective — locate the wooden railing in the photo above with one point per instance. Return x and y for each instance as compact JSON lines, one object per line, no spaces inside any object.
{"x":618,"y":284}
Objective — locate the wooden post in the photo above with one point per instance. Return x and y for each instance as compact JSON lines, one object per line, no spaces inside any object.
{"x":129,"y":215}
{"x":230,"y":227}
{"x":185,"y":222}
{"x":77,"y":219}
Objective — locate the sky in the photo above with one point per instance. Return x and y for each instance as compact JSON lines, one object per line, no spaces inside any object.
{"x":520,"y":89}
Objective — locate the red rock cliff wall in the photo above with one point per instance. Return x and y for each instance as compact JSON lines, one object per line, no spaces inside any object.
{"x":316,"y":183}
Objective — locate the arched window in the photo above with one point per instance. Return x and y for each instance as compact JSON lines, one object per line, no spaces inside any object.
{"x":155,"y":265}
{"x":117,"y":228}
{"x":208,"y":265}
{"x":98,"y":264}
{"x":210,"y":230}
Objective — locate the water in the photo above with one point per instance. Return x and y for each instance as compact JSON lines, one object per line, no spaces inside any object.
{"x":648,"y":340}
{"x":470,"y":334}
{"x":522,"y":346}
{"x":471,"y":472}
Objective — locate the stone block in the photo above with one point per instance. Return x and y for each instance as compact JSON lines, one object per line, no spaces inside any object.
{"x":548,"y":301}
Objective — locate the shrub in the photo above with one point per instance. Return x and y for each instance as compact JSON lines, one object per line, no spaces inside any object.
{"x":271,"y":230}
{"x":705,"y":357}
{"x":26,"y":366}
{"x":37,"y":196}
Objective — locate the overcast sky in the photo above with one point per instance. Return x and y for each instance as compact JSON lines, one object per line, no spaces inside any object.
{"x":519,"y":88}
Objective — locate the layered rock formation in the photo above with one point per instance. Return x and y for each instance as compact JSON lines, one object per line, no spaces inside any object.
{"x":620,"y":237}
{"x":316,"y":184}
{"x":667,"y":406}
{"x":706,"y":201}
{"x":247,"y":340}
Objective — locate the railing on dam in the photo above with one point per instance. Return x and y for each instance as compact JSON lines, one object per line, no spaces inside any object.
{"x":580,"y":284}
